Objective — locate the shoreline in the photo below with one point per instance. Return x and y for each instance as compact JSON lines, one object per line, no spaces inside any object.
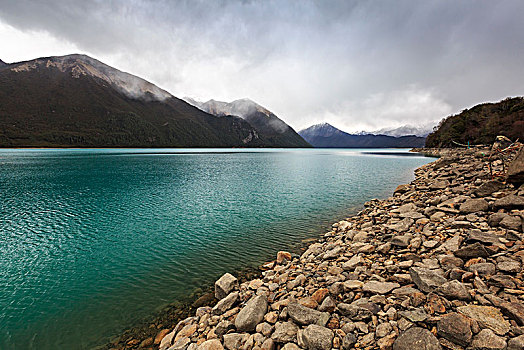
{"x":383,"y":258}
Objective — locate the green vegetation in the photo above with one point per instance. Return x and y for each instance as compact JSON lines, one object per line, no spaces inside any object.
{"x":481,"y":124}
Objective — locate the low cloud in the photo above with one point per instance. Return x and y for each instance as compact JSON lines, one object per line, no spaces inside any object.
{"x":359,"y":65}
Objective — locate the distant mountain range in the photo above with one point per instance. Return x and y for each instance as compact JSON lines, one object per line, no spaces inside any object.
{"x":78,"y":101}
{"x":327,"y":136}
{"x":268,"y":125}
{"x":481,"y":124}
{"x":405,"y":130}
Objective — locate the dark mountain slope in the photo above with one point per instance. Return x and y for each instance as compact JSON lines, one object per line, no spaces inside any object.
{"x":327,"y":136}
{"x":481,"y":124}
{"x":78,"y":101}
{"x":268,"y":125}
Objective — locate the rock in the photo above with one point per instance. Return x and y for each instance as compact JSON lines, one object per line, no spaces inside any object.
{"x":455,"y":328}
{"x":355,"y":313}
{"x":181,"y":344}
{"x":285,"y":332}
{"x":511,"y":223}
{"x":304,"y":315}
{"x":425,"y":279}
{"x":290,"y":346}
{"x":487,"y":340}
{"x":319,"y":295}
{"x":251,"y":314}
{"x":416,"y":338}
{"x":483,"y":269}
{"x":495,"y":219}
{"x":509,"y":265}
{"x":439,"y":185}
{"x":516,"y":343}
{"x":488,"y":188}
{"x":224,"y":285}
{"x":166,"y":341}
{"x":401,"y":241}
{"x":454,"y":290}
{"x":474,"y":205}
{"x":509,"y":202}
{"x":416,"y":315}
{"x":283,"y":256}
{"x":225,"y":304}
{"x":223,"y":327}
{"x":514,"y":311}
{"x":161,"y":335}
{"x":233,"y":341}
{"x":186,"y":331}
{"x":515,"y":172}
{"x":213,"y":344}
{"x":483,"y":237}
{"x":383,"y":329}
{"x":475,"y":250}
{"x":487,"y":317}
{"x":401,"y":226}
{"x":349,"y":340}
{"x":352,"y":263}
{"x":376,"y":287}
{"x":402,"y":189}
{"x":317,"y":337}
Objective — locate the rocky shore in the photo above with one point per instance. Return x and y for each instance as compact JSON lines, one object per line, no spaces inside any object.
{"x":438,"y":265}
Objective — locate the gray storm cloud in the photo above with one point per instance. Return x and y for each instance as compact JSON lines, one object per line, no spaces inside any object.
{"x":356,"y":64}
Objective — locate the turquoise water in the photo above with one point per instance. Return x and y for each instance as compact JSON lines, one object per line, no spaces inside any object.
{"x":95,"y":241}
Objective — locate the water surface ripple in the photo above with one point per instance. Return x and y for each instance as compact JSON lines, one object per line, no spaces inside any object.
{"x":95,"y":241}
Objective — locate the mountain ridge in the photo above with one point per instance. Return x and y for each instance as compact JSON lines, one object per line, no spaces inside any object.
{"x":78,"y":101}
{"x":325,"y":135}
{"x":263,"y":120}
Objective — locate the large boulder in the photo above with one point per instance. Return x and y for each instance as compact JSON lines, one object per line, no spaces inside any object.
{"x":251,"y":314}
{"x":224,"y":285}
{"x":515,"y":173}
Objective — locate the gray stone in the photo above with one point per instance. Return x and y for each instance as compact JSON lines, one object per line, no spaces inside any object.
{"x":516,"y":343}
{"x":225,"y":304}
{"x":379,"y":287}
{"x":416,"y":338}
{"x":317,"y":337}
{"x":488,"y":188}
{"x":495,"y":219}
{"x":251,"y":314}
{"x":425,"y":279}
{"x":213,"y":344}
{"x":401,"y":226}
{"x":233,"y":341}
{"x":474,"y":205}
{"x":224,"y":285}
{"x":483,"y":269}
{"x":383,"y":329}
{"x":511,"y":223}
{"x":349,"y":340}
{"x":439,"y":185}
{"x":304,"y":315}
{"x":181,"y":344}
{"x":484,"y":237}
{"x":454,"y":290}
{"x":487,"y":340}
{"x":487,"y":317}
{"x":223,"y":327}
{"x":285,"y":332}
{"x":401,"y":241}
{"x":475,"y":250}
{"x":509,"y":265}
{"x":515,"y":172}
{"x":416,"y":315}
{"x":455,"y":328}
{"x":509,"y":202}
{"x":514,"y":311}
{"x":291,"y":346}
{"x":355,"y":313}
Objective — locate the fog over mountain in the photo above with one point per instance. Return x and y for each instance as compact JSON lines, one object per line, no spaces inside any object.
{"x":360,"y":65}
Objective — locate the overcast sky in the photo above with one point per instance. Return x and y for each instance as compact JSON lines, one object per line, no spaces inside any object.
{"x":359,"y":65}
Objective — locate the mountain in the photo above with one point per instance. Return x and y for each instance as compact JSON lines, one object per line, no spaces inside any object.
{"x":481,"y":124}
{"x":268,"y":125}
{"x":405,"y":130}
{"x":77,"y":101}
{"x":3,"y":64}
{"x":327,"y":136}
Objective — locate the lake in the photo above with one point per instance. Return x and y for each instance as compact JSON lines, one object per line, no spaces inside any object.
{"x":93,"y":241}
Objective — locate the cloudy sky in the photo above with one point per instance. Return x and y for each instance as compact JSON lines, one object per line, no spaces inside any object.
{"x":360,"y":65}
